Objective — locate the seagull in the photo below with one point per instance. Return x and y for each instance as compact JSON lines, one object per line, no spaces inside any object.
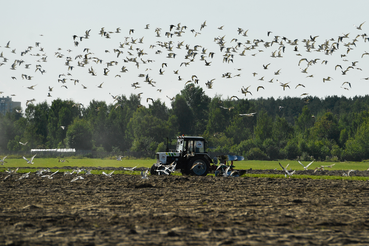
{"x":24,"y":176}
{"x":306,"y":167}
{"x":50,"y":176}
{"x":360,"y":26}
{"x":119,"y":157}
{"x":348,"y":173}
{"x":221,"y":165}
{"x":29,"y":161}
{"x":249,"y":115}
{"x":67,"y":173}
{"x":227,"y":172}
{"x":23,"y":143}
{"x":77,"y":171}
{"x":130,"y":168}
{"x":2,"y":161}
{"x":108,"y":175}
{"x":229,"y":109}
{"x":329,"y":166}
{"x":39,"y":172}
{"x":77,"y":178}
{"x":11,"y":172}
{"x":286,"y":171}
{"x":144,"y":174}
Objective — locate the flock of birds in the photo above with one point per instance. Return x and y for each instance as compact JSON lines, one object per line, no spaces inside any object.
{"x":46,"y":173}
{"x":173,"y":62}
{"x":223,"y":169}
{"x":290,"y":172}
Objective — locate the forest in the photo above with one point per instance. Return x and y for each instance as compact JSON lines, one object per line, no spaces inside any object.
{"x":330,"y":129}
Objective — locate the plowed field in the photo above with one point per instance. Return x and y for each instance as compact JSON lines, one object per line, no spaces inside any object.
{"x":182,"y":210}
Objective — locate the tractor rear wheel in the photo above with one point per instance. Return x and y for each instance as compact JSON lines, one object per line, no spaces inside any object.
{"x":199,"y":167}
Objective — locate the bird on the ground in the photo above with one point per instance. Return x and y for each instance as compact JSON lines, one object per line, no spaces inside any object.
{"x":348,"y":173}
{"x":119,"y":157}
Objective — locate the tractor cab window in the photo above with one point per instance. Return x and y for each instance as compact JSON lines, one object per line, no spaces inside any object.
{"x":199,"y":147}
{"x":191,"y":148}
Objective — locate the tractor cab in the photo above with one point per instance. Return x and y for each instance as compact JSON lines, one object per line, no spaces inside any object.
{"x":190,"y":156}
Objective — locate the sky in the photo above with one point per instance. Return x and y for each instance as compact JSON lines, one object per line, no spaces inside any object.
{"x":319,"y":47}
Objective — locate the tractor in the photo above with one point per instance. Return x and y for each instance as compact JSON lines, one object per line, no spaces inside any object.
{"x":190,"y":157}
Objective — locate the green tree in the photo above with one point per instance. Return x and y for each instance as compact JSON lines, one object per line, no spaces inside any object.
{"x":327,"y":127}
{"x":282,"y":131}
{"x":79,"y":135}
{"x":198,"y":102}
{"x":305,"y":121}
{"x":264,"y":126}
{"x":61,"y":115}
{"x":184,"y":116}
{"x":36,"y":130}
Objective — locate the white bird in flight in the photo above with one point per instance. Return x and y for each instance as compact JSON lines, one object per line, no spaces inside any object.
{"x":144,"y":174}
{"x":108,"y":175}
{"x":24,"y":176}
{"x":306,"y":167}
{"x":2,"y":161}
{"x":76,"y":178}
{"x":50,"y":176}
{"x":130,"y":168}
{"x":29,"y":161}
{"x":286,"y":171}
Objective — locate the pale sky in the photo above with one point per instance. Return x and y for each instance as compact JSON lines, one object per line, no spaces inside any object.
{"x":53,"y":24}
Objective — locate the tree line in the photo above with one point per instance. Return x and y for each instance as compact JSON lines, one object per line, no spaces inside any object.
{"x":334,"y":128}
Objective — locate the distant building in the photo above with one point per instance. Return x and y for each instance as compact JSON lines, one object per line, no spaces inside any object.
{"x":7,"y":104}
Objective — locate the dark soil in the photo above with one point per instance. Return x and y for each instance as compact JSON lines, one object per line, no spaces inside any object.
{"x":182,"y":210}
